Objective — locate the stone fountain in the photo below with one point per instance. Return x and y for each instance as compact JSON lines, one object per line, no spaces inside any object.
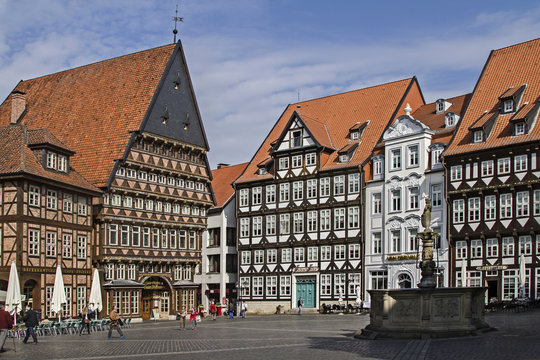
{"x":426,"y":311}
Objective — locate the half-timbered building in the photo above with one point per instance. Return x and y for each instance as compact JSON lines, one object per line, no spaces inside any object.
{"x":137,"y":132}
{"x":45,"y":217}
{"x":406,"y":168}
{"x":299,"y":202}
{"x":493,"y":178}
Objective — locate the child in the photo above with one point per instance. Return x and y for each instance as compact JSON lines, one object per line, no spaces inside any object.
{"x":193,"y":318}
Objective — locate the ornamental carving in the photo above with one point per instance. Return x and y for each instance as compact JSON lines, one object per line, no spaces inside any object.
{"x":412,"y":222}
{"x":413,"y":181}
{"x":446,"y":308}
{"x":394,"y":224}
{"x":394,"y":184}
{"x":407,"y":308}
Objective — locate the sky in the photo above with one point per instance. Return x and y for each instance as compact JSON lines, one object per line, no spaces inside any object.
{"x":249,"y":59}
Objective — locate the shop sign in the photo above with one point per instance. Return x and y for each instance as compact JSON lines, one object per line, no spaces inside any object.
{"x":491,"y":267}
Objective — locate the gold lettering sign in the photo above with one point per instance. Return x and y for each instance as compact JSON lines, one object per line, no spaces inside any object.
{"x":402,"y":257}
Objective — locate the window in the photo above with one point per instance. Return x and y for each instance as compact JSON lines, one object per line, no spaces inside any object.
{"x":413,"y":240}
{"x":520,"y":163}
{"x":395,"y":200}
{"x":525,"y":245}
{"x":487,"y":168}
{"x":124,"y":235}
{"x":270,"y":194}
{"x":284,"y":192}
{"x":51,"y":160}
{"x":339,"y":218}
{"x":271,"y":256}
{"x":50,"y":249}
{"x":326,"y":284}
{"x":505,"y":206}
{"x":187,"y":272}
{"x":461,"y":250}
{"x":324,"y":187}
{"x":52,"y":200}
{"x":377,"y":167}
{"x":355,"y":135}
{"x":508,"y":246}
{"x":436,"y":156}
{"x":395,"y":239}
{"x":66,"y":308}
{"x":298,"y":190}
{"x":311,"y":188}
{"x":326,"y":253}
{"x":68,"y":203}
{"x":67,"y":240}
{"x":413,"y":155}
{"x":339,"y":252}
{"x":62,"y":163}
{"x":312,"y":221}
{"x":271,"y":285}
{"x":503,"y":166}
{"x":520,"y":128}
{"x":325,"y":220}
{"x":34,"y":196}
{"x":113,"y":234}
{"x":257,"y":226}
{"x":413,"y":198}
{"x":284,"y":224}
{"x":474,"y":209}
{"x":354,"y":183}
{"x":82,"y":208}
{"x":81,"y":247}
{"x":159,"y":206}
{"x":536,"y":203}
{"x":436,"y":195}
{"x":476,"y":249}
{"x":296,"y":161}
{"x":492,"y":248}
{"x":450,"y":119}
{"x":395,"y":159}
{"x":81,"y":298}
{"x":343,"y":158}
{"x":312,"y":253}
{"x":33,"y":242}
{"x":121,"y":272}
{"x":164,"y":238}
{"x":286,"y":255}
{"x":339,"y":185}
{"x":376,"y":243}
{"x":256,"y":195}
{"x":458,"y":211}
{"x":146,"y":237}
{"x":376,"y":202}
{"x":186,"y":210}
{"x":258,"y":285}
{"x":455,"y":173}
{"x":283,"y":163}
{"x":244,"y":200}
{"x":244,"y":227}
{"x":354,"y":251}
{"x":508,"y":105}
{"x":478,"y":136}
{"x":246,"y":257}
{"x":311,"y":159}
{"x":285,"y":285}
{"x":354,"y":217}
{"x":355,"y":279}
{"x":339,"y":285}
{"x":489,"y":207}
{"x":510,"y":284}
{"x":271,"y":225}
{"x":299,"y":255}
{"x":139,"y":204}
{"x":258,"y":257}
{"x":522,"y":203}
{"x":192,"y":240}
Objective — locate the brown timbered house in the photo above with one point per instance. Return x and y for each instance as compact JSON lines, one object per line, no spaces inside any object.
{"x":299,"y":201}
{"x":138,"y":135}
{"x":493,"y":178}
{"x":45,"y":217}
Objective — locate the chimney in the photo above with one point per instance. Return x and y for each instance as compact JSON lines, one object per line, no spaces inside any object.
{"x":222,"y":165}
{"x":18,"y":105}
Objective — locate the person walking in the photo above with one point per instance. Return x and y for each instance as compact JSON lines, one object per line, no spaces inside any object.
{"x":243,"y":310}
{"x":193,"y":318}
{"x":5,"y":325}
{"x":115,"y":318}
{"x":30,"y":321}
{"x":300,"y":304}
{"x":183,"y":315}
{"x":231,"y":309}
{"x":85,"y":321}
{"x":213,"y":311}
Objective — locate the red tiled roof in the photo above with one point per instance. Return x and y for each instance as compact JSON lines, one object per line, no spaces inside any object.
{"x":512,"y":66}
{"x":330,"y":118}
{"x":18,"y":159}
{"x":222,"y":180}
{"x":92,"y":109}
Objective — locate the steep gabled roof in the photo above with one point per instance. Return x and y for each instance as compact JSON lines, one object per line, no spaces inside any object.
{"x":506,"y":68}
{"x":222,"y":180}
{"x":18,"y":159}
{"x":94,"y":108}
{"x":330,"y":118}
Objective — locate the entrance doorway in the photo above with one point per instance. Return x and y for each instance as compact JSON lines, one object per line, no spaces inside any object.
{"x":305,"y":289}
{"x":493,"y":289}
{"x":156,"y":299}
{"x":404,"y":281}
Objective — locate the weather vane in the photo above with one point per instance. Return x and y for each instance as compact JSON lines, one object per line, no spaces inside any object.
{"x":176,"y":19}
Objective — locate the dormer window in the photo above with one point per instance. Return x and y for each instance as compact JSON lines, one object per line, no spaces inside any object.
{"x":451,"y":119}
{"x":343,"y":158}
{"x":62,"y":163}
{"x":262,"y":171}
{"x":57,"y":162}
{"x":51,"y":160}
{"x":355,"y":135}
{"x":508,"y":106}
{"x":296,"y":138}
{"x":441,"y":106}
{"x":478,"y":136}
{"x":520,"y":128}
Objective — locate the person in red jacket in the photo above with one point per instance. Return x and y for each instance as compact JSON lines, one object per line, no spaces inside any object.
{"x":213,"y":310}
{"x":5,"y":325}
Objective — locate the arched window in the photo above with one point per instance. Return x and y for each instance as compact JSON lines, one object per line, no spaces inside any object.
{"x":404,"y":281}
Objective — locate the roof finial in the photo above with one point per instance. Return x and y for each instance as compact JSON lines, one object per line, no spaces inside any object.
{"x":176,"y":19}
{"x":408,"y":110}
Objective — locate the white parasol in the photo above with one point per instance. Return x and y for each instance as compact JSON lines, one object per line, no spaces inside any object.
{"x":95,"y":302}
{"x":463,"y":273}
{"x":358,"y":295}
{"x":522,"y":275}
{"x":59,"y":295}
{"x":13,"y":294}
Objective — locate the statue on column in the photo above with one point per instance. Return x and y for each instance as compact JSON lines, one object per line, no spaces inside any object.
{"x":427,"y":265}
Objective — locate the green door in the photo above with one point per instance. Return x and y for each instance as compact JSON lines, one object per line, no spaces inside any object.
{"x":305,"y":289}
